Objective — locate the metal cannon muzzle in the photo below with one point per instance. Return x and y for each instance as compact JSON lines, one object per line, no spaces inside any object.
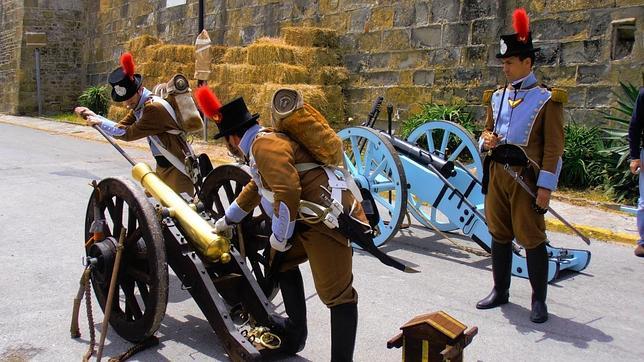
{"x":446,"y":168}
{"x":199,"y":232}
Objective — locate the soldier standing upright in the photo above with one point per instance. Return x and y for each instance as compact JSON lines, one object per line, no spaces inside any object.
{"x":524,"y":132}
{"x":151,"y":117}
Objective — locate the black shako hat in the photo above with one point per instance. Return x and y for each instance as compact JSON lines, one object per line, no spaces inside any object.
{"x":234,"y":115}
{"x":123,"y":80}
{"x":519,"y":43}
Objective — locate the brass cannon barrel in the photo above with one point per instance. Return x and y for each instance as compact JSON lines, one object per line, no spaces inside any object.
{"x":199,"y":232}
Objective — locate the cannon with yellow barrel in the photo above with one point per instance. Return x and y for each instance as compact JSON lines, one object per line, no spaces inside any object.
{"x":167,"y":229}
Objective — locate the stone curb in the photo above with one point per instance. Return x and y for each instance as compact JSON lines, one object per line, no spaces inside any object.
{"x":95,"y":136}
{"x":592,"y":232}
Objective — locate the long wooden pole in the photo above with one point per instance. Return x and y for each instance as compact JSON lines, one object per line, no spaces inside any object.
{"x":110,"y":294}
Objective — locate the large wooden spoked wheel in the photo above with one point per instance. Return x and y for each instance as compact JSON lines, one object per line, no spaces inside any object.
{"x":374,"y":164}
{"x":141,"y":293}
{"x":219,"y":190}
{"x":450,"y":142}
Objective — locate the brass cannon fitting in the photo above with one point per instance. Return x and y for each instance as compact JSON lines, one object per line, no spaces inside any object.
{"x":200,"y":233}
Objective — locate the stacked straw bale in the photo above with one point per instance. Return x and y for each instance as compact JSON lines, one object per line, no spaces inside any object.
{"x":304,"y":58}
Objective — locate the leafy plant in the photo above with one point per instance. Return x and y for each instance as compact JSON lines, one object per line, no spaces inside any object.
{"x":618,"y":179}
{"x":96,"y":98}
{"x":582,"y":158}
{"x":430,"y":112}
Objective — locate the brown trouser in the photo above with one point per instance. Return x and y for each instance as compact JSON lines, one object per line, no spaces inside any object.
{"x":508,"y":208}
{"x":330,"y":262}
{"x":175,"y":179}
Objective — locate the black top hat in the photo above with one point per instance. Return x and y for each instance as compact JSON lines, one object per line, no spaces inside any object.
{"x":234,"y":116}
{"x":123,"y":80}
{"x":510,"y":46}
{"x":123,"y":87}
{"x":519,"y":43}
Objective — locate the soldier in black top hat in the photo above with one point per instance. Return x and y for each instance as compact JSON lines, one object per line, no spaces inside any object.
{"x":150,"y":117}
{"x":526,"y":119}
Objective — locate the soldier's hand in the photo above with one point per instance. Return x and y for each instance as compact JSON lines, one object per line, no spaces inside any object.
{"x":222,"y":227}
{"x":279,"y":245}
{"x":92,"y":121}
{"x":490,"y":140}
{"x":84,"y":112}
{"x":635,"y":167}
{"x":543,"y":197}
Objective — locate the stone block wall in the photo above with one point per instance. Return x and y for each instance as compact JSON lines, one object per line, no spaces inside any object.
{"x":61,"y":62}
{"x":10,"y":37}
{"x":411,"y":52}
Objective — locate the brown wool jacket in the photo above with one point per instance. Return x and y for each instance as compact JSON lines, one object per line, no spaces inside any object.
{"x":156,"y":120}
{"x":276,"y":156}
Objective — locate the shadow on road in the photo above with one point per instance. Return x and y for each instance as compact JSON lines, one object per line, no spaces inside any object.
{"x":564,"y":330}
{"x":435,"y":245}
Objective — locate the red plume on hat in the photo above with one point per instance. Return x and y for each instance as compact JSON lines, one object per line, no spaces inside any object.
{"x":127,"y":64}
{"x":521,"y":24}
{"x":208,"y":102}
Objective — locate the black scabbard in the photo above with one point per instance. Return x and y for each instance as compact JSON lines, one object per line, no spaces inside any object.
{"x":361,"y":236}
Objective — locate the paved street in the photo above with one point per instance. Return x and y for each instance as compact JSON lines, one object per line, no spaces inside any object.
{"x":596,"y":315}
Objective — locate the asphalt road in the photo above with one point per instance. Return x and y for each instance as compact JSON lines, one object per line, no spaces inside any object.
{"x":596,"y":315}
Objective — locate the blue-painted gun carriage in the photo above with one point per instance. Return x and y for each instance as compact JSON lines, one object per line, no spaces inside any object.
{"x":434,"y":175}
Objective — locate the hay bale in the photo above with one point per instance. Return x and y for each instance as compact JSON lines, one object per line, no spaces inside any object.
{"x":317,"y":57}
{"x":235,"y":55}
{"x":310,"y":37}
{"x":217,"y":53}
{"x":149,"y":70}
{"x":269,"y":52}
{"x":259,"y":74}
{"x":328,"y":100}
{"x":136,"y":45}
{"x":330,"y":76}
{"x":172,"y":52}
{"x":117,"y":112}
{"x":171,"y":68}
{"x":226,"y":92}
{"x":231,"y":73}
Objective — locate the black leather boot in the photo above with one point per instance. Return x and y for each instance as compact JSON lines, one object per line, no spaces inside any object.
{"x":538,"y":273}
{"x":501,"y":272}
{"x":344,"y":323}
{"x":294,"y":327}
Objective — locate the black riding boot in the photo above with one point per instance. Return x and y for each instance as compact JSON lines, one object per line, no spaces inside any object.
{"x":501,"y":272}
{"x":294,"y":327}
{"x":344,"y":322}
{"x":538,"y":273}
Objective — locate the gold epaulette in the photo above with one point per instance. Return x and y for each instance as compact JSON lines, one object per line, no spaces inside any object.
{"x":559,"y":95}
{"x":487,"y":95}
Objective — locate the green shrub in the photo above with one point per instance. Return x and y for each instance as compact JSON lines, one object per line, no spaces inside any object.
{"x":618,"y":179}
{"x":431,"y":112}
{"x":583,"y":162}
{"x":96,"y":98}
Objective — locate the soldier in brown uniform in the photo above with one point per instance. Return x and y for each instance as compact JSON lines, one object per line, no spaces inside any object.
{"x":150,"y":117}
{"x":523,"y":119}
{"x":279,"y":185}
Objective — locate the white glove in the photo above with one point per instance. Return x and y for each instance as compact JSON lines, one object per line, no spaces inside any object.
{"x":279,"y":245}
{"x":222,"y":227}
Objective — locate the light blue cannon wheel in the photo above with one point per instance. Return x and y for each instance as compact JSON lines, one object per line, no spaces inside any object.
{"x":451,"y":142}
{"x":374,"y":164}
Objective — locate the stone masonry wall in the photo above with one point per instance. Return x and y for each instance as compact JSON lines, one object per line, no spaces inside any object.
{"x":61,"y":71}
{"x":10,"y":31}
{"x":409,"y":51}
